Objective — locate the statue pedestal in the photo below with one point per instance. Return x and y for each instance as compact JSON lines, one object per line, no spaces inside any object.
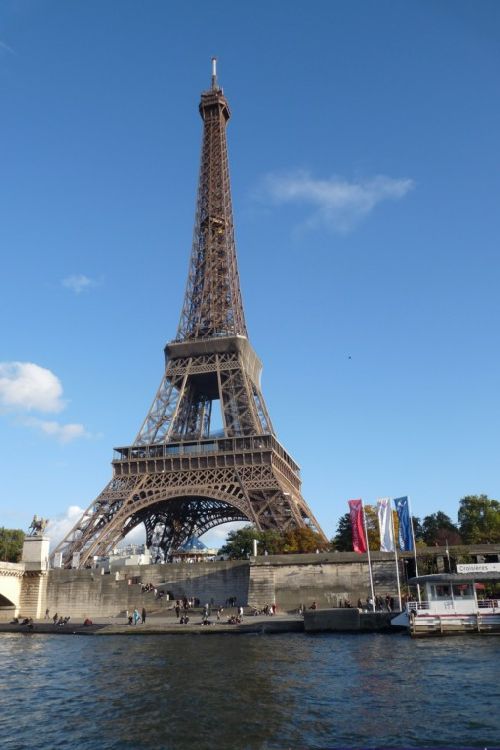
{"x":36,"y":552}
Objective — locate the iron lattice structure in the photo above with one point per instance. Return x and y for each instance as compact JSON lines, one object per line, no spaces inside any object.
{"x":207,"y":452}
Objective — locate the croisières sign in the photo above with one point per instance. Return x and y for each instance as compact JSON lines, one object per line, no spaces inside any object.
{"x":479,"y":568}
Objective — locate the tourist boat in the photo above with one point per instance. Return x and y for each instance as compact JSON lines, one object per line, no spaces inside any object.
{"x":449,"y":604}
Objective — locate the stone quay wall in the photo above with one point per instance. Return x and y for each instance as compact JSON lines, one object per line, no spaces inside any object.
{"x":88,"y":593}
{"x":327,"y":579}
{"x":286,"y":580}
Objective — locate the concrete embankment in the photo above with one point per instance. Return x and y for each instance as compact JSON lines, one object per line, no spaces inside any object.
{"x":348,"y":620}
{"x":314,"y":621}
{"x":163,"y":626}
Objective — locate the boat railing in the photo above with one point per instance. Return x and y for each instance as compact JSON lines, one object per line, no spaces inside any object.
{"x":446,"y":604}
{"x":488,"y":604}
{"x":415,"y":606}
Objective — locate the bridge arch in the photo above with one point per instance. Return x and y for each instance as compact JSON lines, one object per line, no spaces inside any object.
{"x":11,"y":578}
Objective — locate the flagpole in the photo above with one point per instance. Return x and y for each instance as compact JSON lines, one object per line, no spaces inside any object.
{"x":394,"y":541}
{"x":368,"y":551}
{"x":414,"y":546}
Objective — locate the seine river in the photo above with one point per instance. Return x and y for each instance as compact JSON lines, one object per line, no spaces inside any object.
{"x":248,"y":691}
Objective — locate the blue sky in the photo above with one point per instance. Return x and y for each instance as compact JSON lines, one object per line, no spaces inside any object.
{"x":364,"y":152}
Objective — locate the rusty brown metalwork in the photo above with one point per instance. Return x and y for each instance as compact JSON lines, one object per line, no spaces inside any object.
{"x":207,"y":452}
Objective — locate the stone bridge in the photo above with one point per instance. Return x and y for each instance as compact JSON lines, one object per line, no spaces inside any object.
{"x":11,"y":584}
{"x":23,"y":585}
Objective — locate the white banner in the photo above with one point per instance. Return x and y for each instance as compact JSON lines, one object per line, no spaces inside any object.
{"x":385,"y":524}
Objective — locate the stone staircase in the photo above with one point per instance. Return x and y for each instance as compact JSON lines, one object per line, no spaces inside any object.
{"x":262,"y":586}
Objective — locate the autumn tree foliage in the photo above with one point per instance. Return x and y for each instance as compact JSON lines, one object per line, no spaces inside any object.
{"x":239,"y":543}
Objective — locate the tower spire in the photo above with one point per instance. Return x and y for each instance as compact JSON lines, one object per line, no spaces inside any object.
{"x":212,"y":303}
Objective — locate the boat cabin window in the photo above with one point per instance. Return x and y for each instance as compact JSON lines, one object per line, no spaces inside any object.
{"x":440,"y":591}
{"x":463,"y":591}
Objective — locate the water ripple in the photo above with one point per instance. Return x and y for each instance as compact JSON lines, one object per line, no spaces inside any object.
{"x":255,"y":693}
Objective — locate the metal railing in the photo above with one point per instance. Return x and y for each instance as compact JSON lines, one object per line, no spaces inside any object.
{"x":493,"y":604}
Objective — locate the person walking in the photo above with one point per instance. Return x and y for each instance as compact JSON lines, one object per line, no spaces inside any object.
{"x":136,"y":616}
{"x":143,"y":616}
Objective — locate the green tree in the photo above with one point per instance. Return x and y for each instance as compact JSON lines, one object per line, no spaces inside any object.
{"x":239,"y":543}
{"x":11,"y":544}
{"x":271,"y":542}
{"x":342,"y":541}
{"x":417,"y":529}
{"x":438,"y":528}
{"x":479,"y":519}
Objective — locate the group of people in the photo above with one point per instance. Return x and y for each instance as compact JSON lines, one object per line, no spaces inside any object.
{"x":267,"y":609}
{"x":135,"y":617}
{"x":158,"y":593}
{"x":23,"y":621}
{"x":185,"y":605}
{"x":56,"y":619}
{"x":380,"y":604}
{"x":182,"y":607}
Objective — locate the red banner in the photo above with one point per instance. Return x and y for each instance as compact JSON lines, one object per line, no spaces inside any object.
{"x":357,"y":525}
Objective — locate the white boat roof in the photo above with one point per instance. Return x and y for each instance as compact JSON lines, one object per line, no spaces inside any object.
{"x":491,"y":575}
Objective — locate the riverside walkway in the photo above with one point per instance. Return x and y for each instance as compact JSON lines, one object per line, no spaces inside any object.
{"x":326,"y":620}
{"x":165,"y":623}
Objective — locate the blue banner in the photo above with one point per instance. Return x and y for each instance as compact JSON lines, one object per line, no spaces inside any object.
{"x":405,"y":536}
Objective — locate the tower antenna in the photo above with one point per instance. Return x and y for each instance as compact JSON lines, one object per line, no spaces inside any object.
{"x":214,"y":73}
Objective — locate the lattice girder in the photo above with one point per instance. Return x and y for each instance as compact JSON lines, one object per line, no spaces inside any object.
{"x":254,"y":492}
{"x":183,"y":407}
{"x":177,"y":478}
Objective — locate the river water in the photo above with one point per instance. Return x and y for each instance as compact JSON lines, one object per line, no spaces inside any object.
{"x":248,"y":691}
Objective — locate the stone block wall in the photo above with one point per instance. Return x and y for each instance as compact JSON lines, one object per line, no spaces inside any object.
{"x":11,"y":580}
{"x":33,"y":595}
{"x":88,"y":593}
{"x":289,"y":581}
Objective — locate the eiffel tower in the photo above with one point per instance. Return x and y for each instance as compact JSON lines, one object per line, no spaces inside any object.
{"x":182,"y":476}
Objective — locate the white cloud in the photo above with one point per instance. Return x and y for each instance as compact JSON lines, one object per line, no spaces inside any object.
{"x":6,"y":48}
{"x":78,"y":283}
{"x":25,"y":386}
{"x":59,"y":527}
{"x":64,"y":433}
{"x":136,"y":536}
{"x":336,"y":202}
{"x":217,"y":536}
